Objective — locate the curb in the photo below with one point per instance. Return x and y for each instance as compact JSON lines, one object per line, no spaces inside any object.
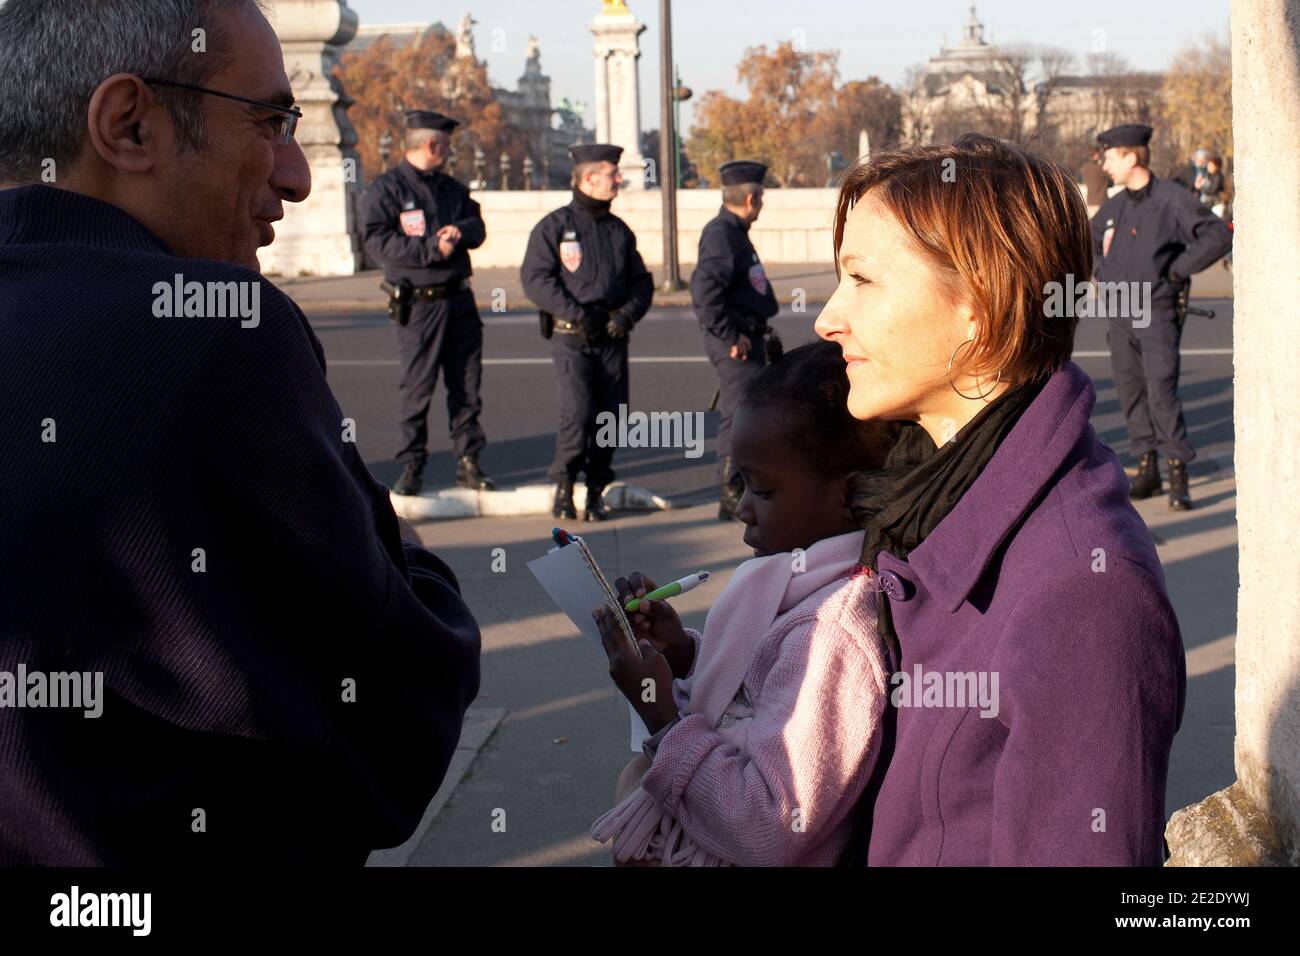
{"x":524,"y":500}
{"x":480,"y":723}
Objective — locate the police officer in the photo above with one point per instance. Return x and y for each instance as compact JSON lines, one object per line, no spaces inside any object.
{"x":733,"y":301}
{"x":1156,"y":232}
{"x":584,"y":273}
{"x":419,"y":224}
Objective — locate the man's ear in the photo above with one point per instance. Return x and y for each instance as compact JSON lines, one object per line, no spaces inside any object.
{"x":123,"y":123}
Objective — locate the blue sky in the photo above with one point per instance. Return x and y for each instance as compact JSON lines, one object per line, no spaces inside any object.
{"x":872,"y":37}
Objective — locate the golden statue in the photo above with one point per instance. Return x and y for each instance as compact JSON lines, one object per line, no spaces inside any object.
{"x":614,"y":7}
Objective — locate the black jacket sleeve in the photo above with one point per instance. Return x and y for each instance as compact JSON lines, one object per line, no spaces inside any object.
{"x":383,"y":237}
{"x":470,"y":223}
{"x":640,"y":282}
{"x":540,"y":275}
{"x":709,"y":283}
{"x":1206,"y":237}
{"x":1098,"y":227}
{"x":340,"y":597}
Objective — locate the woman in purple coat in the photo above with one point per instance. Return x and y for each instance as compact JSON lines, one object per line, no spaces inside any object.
{"x":1040,"y":671}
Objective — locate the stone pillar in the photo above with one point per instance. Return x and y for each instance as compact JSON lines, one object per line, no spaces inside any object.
{"x":618,"y":88}
{"x":1256,"y":820}
{"x":318,"y":237}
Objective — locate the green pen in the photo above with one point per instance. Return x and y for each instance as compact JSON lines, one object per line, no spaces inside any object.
{"x":670,"y":590}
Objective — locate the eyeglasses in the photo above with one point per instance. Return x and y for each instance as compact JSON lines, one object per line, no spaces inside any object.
{"x":288,"y":120}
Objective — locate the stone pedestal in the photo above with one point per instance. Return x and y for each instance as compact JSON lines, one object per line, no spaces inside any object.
{"x":618,"y":89}
{"x":1256,"y":821}
{"x":318,"y":237}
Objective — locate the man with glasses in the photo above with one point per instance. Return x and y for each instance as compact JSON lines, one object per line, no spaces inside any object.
{"x":272,"y":664}
{"x":420,"y":224}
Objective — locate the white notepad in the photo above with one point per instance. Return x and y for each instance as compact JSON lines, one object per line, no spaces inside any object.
{"x":576,"y":584}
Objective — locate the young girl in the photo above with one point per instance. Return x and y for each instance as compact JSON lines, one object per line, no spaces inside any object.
{"x":765,"y":728}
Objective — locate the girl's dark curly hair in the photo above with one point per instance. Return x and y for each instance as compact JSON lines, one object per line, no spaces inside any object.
{"x":808,"y":387}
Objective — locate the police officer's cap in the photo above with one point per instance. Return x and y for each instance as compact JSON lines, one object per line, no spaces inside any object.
{"x":1130,"y":134}
{"x":742,"y":171}
{"x":428,"y":119}
{"x":595,"y":153}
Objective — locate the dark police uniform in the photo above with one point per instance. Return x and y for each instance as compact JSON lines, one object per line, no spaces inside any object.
{"x":732,"y":297}
{"x":1159,"y":234}
{"x":583,"y":271}
{"x":402,"y":211}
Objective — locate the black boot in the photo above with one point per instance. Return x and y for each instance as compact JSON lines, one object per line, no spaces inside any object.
{"x":411,"y":480}
{"x":732,"y":488}
{"x":1179,"y":499}
{"x":563,"y":507}
{"x":470,"y":475}
{"x":1147,"y":481}
{"x":595,"y":510}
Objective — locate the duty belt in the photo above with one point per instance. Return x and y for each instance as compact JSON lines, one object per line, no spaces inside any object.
{"x":436,"y":292}
{"x":564,"y":327}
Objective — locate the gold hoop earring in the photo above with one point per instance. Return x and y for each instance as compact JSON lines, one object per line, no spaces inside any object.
{"x":972,"y":398}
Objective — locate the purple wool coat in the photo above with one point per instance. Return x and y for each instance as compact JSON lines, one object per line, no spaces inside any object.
{"x":1045,"y":577}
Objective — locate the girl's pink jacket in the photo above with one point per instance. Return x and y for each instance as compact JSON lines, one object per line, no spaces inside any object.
{"x":779,"y":726}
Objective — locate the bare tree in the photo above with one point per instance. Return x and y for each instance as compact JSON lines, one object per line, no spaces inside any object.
{"x":1007,"y":85}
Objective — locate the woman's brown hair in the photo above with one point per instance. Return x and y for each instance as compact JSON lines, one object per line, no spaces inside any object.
{"x":999,"y":223}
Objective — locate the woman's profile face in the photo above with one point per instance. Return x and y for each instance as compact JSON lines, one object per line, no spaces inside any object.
{"x":889,"y":317}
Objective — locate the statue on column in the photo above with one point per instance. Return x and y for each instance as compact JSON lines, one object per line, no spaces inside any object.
{"x":465,"y":38}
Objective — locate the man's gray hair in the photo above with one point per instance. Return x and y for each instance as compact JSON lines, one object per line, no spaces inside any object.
{"x":735,"y":195}
{"x":416,"y":138}
{"x":54,"y":53}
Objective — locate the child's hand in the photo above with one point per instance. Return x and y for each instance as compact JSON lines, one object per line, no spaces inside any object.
{"x":645,"y":680}
{"x":657,"y":622}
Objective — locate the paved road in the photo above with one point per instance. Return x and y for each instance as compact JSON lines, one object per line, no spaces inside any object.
{"x":551,"y":763}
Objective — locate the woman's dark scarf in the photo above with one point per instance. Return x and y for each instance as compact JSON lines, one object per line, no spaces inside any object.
{"x":595,"y":208}
{"x":921,"y":484}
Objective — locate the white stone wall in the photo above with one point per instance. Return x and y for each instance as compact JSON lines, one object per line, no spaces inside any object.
{"x":1256,"y":820}
{"x":795,"y":225}
{"x":1266,"y":401}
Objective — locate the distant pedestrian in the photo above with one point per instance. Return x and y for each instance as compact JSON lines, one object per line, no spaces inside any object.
{"x":1214,"y":191}
{"x":1192,"y":176}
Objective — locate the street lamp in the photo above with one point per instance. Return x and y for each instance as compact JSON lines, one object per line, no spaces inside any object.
{"x":528,"y":173}
{"x":385,"y":148}
{"x":505,"y":170}
{"x":478,"y":168}
{"x":668,"y":148}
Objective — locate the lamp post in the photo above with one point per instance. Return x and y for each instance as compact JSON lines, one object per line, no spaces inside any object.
{"x":478,"y":168}
{"x":505,"y":170}
{"x":667,"y":148}
{"x":385,"y":148}
{"x":528,"y":173}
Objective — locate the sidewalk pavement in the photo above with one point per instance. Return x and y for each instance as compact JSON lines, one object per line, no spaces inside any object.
{"x":551,"y":761}
{"x":360,"y":292}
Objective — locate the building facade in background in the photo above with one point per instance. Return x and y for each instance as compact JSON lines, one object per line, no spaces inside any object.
{"x":1032,"y":95}
{"x":548,"y":130}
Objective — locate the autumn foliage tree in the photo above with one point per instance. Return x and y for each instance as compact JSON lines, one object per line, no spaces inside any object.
{"x":794,"y":115}
{"x":385,"y":82}
{"x":1196,"y":97}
